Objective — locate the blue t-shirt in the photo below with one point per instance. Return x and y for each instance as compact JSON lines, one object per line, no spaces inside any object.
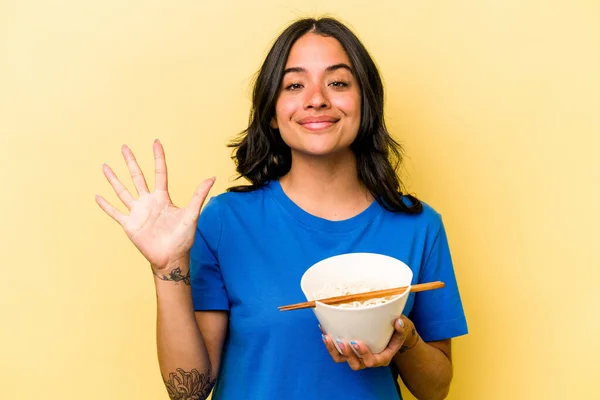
{"x":248,"y":257}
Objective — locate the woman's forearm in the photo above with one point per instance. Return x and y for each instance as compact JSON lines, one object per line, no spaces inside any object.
{"x":425,"y":370}
{"x":182,"y":353}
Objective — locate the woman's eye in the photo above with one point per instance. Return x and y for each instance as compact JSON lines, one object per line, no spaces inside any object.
{"x":338,"y":84}
{"x":293,"y":86}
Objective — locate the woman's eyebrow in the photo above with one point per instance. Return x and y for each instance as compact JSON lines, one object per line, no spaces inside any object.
{"x":328,"y":69}
{"x":339,"y":66}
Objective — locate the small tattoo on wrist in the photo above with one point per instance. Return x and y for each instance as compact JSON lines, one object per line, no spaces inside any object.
{"x":405,"y":348}
{"x":174,"y":276}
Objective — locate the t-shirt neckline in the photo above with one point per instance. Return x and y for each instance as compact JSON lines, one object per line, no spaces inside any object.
{"x":322,"y":224}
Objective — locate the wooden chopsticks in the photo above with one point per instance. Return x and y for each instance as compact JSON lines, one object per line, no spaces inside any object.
{"x":364,"y":296}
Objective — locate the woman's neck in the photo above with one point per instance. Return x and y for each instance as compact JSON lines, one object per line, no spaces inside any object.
{"x":327,"y":187}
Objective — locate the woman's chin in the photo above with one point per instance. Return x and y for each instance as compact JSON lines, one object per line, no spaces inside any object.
{"x":321,"y":152}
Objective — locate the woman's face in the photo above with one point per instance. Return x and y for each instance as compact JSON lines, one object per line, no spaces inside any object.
{"x":318,"y":108}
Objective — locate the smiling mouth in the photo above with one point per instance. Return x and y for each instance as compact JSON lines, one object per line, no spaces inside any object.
{"x":318,"y":122}
{"x":317,"y":126}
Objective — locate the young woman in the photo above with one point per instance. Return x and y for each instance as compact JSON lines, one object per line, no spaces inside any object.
{"x":322,"y":182}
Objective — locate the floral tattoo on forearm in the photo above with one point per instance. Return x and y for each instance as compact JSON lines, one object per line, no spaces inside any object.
{"x":189,"y":385}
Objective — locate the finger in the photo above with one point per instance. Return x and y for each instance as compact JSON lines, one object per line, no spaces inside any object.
{"x":395,"y":343}
{"x":405,"y":328}
{"x":134,"y":170}
{"x":386,"y":356}
{"x":160,"y":167}
{"x":110,"y":210}
{"x":400,"y":325}
{"x":193,"y":209}
{"x":117,"y":186}
{"x":353,"y":361}
{"x":369,"y":359}
{"x":333,"y":352}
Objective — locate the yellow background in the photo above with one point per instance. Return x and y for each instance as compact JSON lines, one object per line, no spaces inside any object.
{"x":496,"y":102}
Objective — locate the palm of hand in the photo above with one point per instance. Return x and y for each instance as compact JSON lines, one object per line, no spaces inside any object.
{"x":161,"y":231}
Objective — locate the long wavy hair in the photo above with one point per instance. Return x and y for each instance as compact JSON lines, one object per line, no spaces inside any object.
{"x":261,"y":155}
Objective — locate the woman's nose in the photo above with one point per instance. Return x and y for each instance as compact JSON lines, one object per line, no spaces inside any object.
{"x":317,"y":99}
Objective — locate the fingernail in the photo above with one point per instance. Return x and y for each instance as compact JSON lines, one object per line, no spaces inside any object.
{"x":400,"y":323}
{"x":340,"y":344}
{"x":323,"y":337}
{"x":354,"y":344}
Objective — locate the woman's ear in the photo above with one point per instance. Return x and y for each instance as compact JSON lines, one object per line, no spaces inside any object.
{"x":274,"y":124}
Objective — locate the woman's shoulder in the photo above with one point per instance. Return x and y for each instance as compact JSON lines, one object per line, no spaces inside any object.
{"x":228,"y":206}
{"x":428,"y":214}
{"x":238,"y":199}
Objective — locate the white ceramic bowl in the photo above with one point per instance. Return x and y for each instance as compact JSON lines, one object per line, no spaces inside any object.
{"x":374,"y":325}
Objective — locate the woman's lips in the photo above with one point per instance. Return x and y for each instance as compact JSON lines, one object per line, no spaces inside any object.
{"x":317,"y":126}
{"x":317,"y":123}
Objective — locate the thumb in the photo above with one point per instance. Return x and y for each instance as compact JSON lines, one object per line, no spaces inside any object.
{"x":404,"y":327}
{"x":400,"y":325}
{"x":199,"y":197}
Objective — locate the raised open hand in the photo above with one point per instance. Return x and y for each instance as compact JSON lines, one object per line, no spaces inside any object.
{"x":163,"y":232}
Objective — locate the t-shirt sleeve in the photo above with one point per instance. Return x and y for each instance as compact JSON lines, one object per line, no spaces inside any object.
{"x":208,"y":288}
{"x":438,"y":314}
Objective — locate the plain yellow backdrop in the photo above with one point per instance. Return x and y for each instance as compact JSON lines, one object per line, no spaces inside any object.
{"x":496,"y":102}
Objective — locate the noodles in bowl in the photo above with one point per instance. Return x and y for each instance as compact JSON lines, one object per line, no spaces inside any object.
{"x":342,"y":290}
